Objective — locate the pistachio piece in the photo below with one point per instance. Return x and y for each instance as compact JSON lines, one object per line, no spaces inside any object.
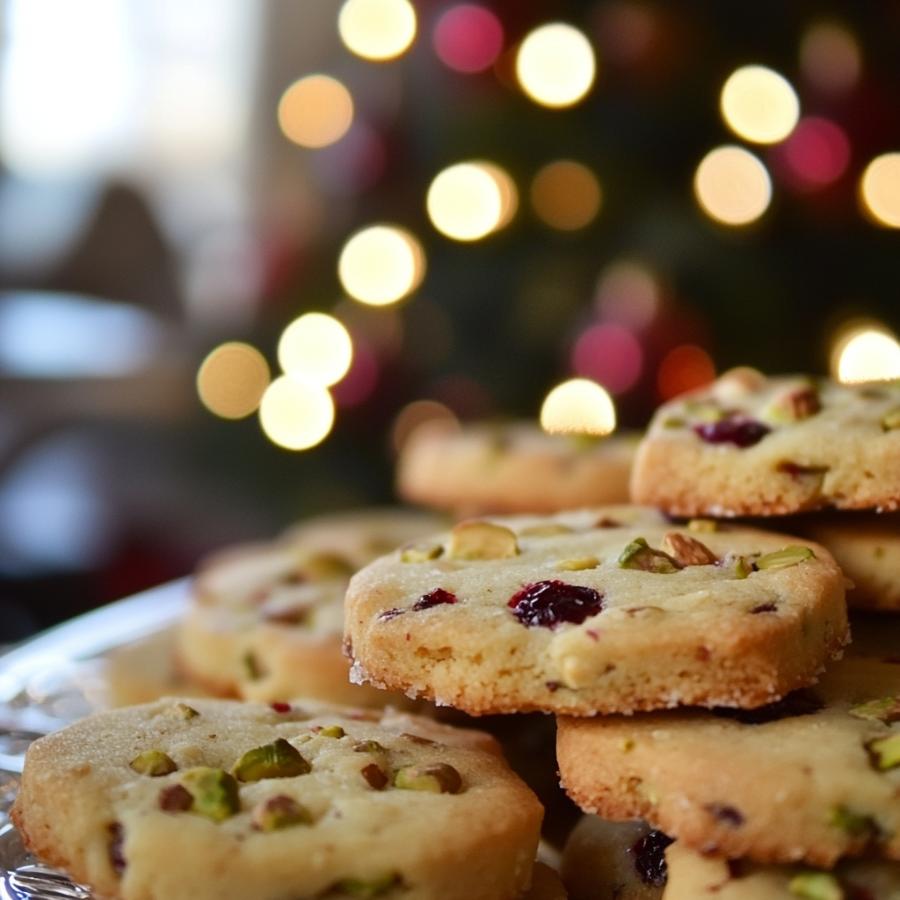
{"x":781,"y":559}
{"x":279,"y":759}
{"x":853,"y":823}
{"x":673,"y":422}
{"x":688,"y":551}
{"x":551,"y":529}
{"x":438,"y":778}
{"x":891,"y":421}
{"x":368,"y":747}
{"x":741,"y":566}
{"x":886,"y":710}
{"x":816,"y":886}
{"x":324,"y":566}
{"x":331,"y":731}
{"x":183,"y":711}
{"x":375,"y":776}
{"x":703,"y":526}
{"x":476,"y":539}
{"x":252,"y":668}
{"x":214,"y":793}
{"x":279,"y":812}
{"x":153,"y":763}
{"x":705,"y":411}
{"x":366,"y":888}
{"x":885,"y":752}
{"x":420,"y":553}
{"x":794,"y":405}
{"x":639,"y":555}
{"x":578,"y":563}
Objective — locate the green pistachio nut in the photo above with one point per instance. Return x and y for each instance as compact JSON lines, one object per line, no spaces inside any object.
{"x":280,"y":812}
{"x":183,"y":711}
{"x":781,"y":559}
{"x":673,"y":422}
{"x":549,"y":530}
{"x":885,"y":752}
{"x":853,"y":823}
{"x":332,"y":731}
{"x":886,"y":709}
{"x":639,"y":555}
{"x":794,"y":405}
{"x":368,"y":747}
{"x":703,"y":526}
{"x":438,"y":778}
{"x":891,"y":421}
{"x":704,"y":411}
{"x":252,"y":668}
{"x":480,"y":540}
{"x":578,"y":564}
{"x":326,"y":566}
{"x":215,"y":793}
{"x":420,"y":553}
{"x":366,"y":888}
{"x":153,"y":763}
{"x":816,"y":886}
{"x":276,"y":760}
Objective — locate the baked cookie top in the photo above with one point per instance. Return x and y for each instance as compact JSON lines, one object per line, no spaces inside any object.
{"x":513,"y":467}
{"x":299,"y":800}
{"x":813,"y":777}
{"x":759,"y":446}
{"x":612,"y":609}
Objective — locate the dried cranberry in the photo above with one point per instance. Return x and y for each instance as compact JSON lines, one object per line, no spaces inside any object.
{"x":737,"y":868}
{"x":437,"y":597}
{"x":741,"y":431}
{"x":729,"y":815}
{"x":650,"y":858}
{"x":763,"y":608}
{"x":175,"y":798}
{"x":375,"y":777}
{"x":114,"y":848}
{"x":280,"y":706}
{"x":550,"y":603}
{"x":798,"y":703}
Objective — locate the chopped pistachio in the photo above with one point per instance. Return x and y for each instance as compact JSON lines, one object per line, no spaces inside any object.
{"x":279,"y":812}
{"x":332,"y":731}
{"x":688,"y":551}
{"x":853,"y":823}
{"x":639,"y":555}
{"x":781,"y":559}
{"x":366,"y":888}
{"x":549,"y":530}
{"x":741,"y":566}
{"x":279,"y":759}
{"x":891,"y":421}
{"x":368,"y":747}
{"x":215,"y":793}
{"x":887,"y":710}
{"x":325,"y":566}
{"x":673,"y":422}
{"x":251,"y":666}
{"x":420,"y":553}
{"x":793,"y":405}
{"x":705,"y":411}
{"x":476,"y":539}
{"x":438,"y":778}
{"x":627,"y":745}
{"x":183,"y":711}
{"x":885,"y":752}
{"x":816,"y":886}
{"x":703,"y":526}
{"x":578,"y":563}
{"x":153,"y":763}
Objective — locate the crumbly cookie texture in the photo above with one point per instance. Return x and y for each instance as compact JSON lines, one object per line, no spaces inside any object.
{"x":755,"y":446}
{"x":612,"y":609}
{"x":867,"y":548}
{"x":693,"y":875}
{"x":214,"y":798}
{"x":513,"y":468}
{"x":266,"y":620}
{"x":813,"y":777}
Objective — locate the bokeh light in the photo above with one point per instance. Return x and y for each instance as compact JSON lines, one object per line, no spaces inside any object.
{"x":866,"y":353}
{"x":682,"y":369}
{"x":296,"y":414}
{"x":232,"y":379}
{"x":628,"y":292}
{"x":815,"y":155}
{"x":316,"y":347}
{"x":377,"y":29}
{"x":555,"y":65}
{"x":578,"y":406}
{"x":468,"y":38}
{"x":315,"y":111}
{"x":467,"y":201}
{"x":830,"y":57}
{"x":732,"y":186}
{"x":880,"y":189}
{"x":420,"y":413}
{"x":566,"y":195}
{"x":609,"y":354}
{"x":381,"y":264}
{"x":759,"y":105}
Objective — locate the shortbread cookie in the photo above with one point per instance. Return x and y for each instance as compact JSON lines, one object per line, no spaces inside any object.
{"x":605,"y":610}
{"x":813,"y":777}
{"x":214,"y":798}
{"x":265,"y":622}
{"x":545,"y":884}
{"x":867,"y":548}
{"x":756,"y":446}
{"x":693,"y":876}
{"x":513,"y":468}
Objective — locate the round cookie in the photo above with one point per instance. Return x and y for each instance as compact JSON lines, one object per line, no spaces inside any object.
{"x":749,"y":445}
{"x":867,"y":548}
{"x":224,"y":799}
{"x":266,"y":620}
{"x":811,"y":778}
{"x":545,"y":884}
{"x":513,"y":468}
{"x":583,"y":612}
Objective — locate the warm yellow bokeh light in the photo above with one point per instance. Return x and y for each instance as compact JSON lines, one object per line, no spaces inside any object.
{"x":315,"y":111}
{"x":578,"y":406}
{"x":469,"y":200}
{"x":296,"y":414}
{"x":759,"y":105}
{"x":732,"y":186}
{"x":566,"y":195}
{"x":377,"y":29}
{"x":316,"y":347}
{"x":880,"y":189}
{"x":555,"y":65}
{"x":381,"y":264}
{"x":866,"y":354}
{"x":232,"y":379}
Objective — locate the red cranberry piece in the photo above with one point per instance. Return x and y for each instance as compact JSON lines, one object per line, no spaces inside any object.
{"x":738,"y":430}
{"x":437,"y":597}
{"x":763,"y":608}
{"x":175,"y":798}
{"x":281,"y":707}
{"x":728,"y":815}
{"x":116,"y":839}
{"x":650,"y":858}
{"x":550,"y":603}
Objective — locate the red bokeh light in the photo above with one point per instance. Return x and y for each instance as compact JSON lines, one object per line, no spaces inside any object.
{"x":361,"y":380}
{"x":815,"y":155}
{"x":684,"y":368}
{"x":468,"y":38}
{"x":610,"y":355}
